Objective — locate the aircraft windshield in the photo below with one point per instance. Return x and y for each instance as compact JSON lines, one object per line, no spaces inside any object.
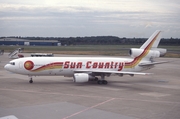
{"x":12,"y":63}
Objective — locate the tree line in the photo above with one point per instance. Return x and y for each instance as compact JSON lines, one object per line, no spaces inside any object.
{"x":100,"y":40}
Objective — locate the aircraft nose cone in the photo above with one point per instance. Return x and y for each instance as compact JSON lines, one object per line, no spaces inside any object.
{"x":6,"y":67}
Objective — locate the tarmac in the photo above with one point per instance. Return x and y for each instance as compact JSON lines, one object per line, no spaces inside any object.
{"x":154,"y":96}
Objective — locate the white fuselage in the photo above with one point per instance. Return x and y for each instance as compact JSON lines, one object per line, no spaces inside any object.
{"x":66,"y":66}
{"x":84,"y":69}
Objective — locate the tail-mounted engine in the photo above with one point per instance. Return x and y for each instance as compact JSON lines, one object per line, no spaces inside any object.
{"x":161,"y":50}
{"x":134,"y":52}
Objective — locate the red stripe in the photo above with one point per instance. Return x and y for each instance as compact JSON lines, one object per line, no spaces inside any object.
{"x":48,"y":65}
{"x":143,"y":54}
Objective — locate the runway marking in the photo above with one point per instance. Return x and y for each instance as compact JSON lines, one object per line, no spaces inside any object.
{"x":88,"y":108}
{"x":155,"y":94}
{"x":28,"y":91}
{"x":162,"y":86}
{"x":107,"y":88}
{"x":89,"y":96}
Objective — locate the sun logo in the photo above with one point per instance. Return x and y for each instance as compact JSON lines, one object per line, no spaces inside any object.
{"x":28,"y":65}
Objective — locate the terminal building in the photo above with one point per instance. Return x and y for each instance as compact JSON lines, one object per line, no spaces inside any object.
{"x":16,"y":41}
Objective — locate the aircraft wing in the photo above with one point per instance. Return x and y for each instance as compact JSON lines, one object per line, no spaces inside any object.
{"x":111,"y":72}
{"x":152,"y":63}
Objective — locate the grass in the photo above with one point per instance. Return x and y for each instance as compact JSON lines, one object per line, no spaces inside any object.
{"x":110,"y":50}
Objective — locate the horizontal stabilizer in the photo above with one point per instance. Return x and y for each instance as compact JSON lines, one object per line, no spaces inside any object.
{"x":152,"y":63}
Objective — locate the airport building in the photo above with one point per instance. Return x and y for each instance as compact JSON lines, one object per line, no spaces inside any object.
{"x":16,"y":41}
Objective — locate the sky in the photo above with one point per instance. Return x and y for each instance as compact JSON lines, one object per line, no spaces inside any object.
{"x":79,"y":18}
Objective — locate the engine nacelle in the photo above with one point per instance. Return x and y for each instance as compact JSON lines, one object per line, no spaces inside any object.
{"x":161,"y":50}
{"x":134,"y":52}
{"x":82,"y":77}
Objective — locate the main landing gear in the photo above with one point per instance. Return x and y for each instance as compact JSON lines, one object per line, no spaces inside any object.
{"x":31,"y":80}
{"x":102,"y":80}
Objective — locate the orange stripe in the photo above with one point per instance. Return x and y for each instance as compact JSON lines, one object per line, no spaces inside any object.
{"x":56,"y":65}
{"x":141,"y":56}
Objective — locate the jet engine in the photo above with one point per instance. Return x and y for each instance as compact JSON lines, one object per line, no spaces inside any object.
{"x":134,"y":52}
{"x":82,"y":77}
{"x":161,"y":50}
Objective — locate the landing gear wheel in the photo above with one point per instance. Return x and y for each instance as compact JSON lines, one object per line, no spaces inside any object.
{"x":105,"y":82}
{"x":100,"y":82}
{"x":30,"y":81}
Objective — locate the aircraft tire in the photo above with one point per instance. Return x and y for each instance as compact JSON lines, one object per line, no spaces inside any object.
{"x":31,"y":81}
{"x":100,"y":82}
{"x":105,"y":82}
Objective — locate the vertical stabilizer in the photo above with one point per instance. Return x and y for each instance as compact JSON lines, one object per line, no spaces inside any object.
{"x":154,"y":40}
{"x":149,"y":49}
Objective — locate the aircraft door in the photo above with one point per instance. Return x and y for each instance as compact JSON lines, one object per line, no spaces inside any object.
{"x":21,"y":65}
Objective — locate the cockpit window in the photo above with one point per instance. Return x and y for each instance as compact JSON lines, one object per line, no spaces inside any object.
{"x":12,"y":63}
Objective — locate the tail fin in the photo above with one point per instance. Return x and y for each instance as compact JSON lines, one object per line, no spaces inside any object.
{"x":146,"y":52}
{"x":153,"y":41}
{"x":149,"y":49}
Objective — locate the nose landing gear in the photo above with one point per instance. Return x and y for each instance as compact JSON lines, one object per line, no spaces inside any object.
{"x":31,"y":80}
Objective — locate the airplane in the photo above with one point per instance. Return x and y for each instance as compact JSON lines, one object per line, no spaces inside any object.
{"x":85,"y":69}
